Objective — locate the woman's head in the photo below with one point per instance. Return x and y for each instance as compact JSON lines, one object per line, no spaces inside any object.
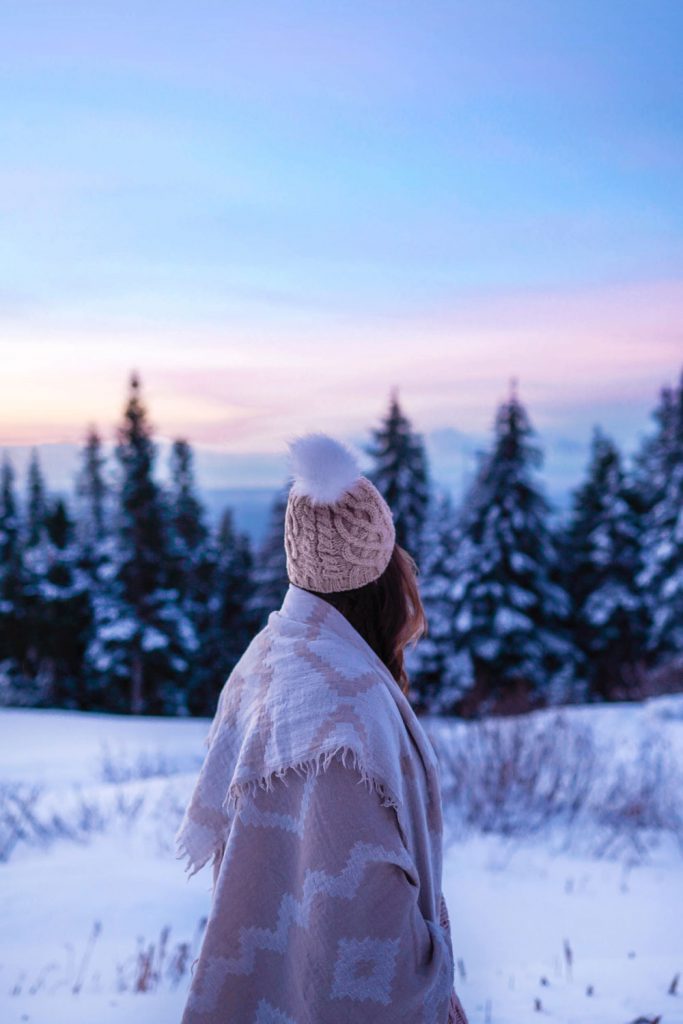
{"x":339,"y":530}
{"x":387,"y":612}
{"x":340,"y":544}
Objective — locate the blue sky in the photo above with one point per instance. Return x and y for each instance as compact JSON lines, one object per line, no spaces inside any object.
{"x":276,"y":212}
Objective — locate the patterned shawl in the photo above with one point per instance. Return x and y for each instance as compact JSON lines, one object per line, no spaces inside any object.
{"x":310,"y":702}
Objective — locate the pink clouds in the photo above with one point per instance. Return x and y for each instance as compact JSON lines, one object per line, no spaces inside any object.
{"x":246,"y":390}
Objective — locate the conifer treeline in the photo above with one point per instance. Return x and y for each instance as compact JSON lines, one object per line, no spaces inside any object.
{"x":129,"y":601}
{"x":528,"y":608}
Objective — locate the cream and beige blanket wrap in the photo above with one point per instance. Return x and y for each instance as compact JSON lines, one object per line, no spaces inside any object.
{"x":319,"y":805}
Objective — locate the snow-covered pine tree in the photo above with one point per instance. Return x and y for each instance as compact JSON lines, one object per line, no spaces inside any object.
{"x":97,"y":542}
{"x":654,"y":460}
{"x":227,"y":623}
{"x":38,"y":675}
{"x":189,"y":562}
{"x":602,"y":560}
{"x":434,"y":664}
{"x":55,"y":599}
{"x":401,"y":475}
{"x":64,"y":609}
{"x":93,"y":502}
{"x":36,"y":502}
{"x":510,"y":610}
{"x":139,"y":645}
{"x":12,"y":583}
{"x":270,"y":565}
{"x":660,"y":478}
{"x":189,"y":532}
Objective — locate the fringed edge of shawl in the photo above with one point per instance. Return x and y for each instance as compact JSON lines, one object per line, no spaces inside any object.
{"x":195,"y":861}
{"x":197,"y":852}
{"x":313,"y":764}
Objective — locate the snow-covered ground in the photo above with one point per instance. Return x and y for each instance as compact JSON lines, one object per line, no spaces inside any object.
{"x":571,"y":914}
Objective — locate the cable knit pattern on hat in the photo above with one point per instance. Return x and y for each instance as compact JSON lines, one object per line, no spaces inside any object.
{"x":336,"y":545}
{"x":340,"y":546}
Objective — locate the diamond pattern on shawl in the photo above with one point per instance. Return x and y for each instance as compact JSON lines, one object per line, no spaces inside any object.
{"x":347,"y":689}
{"x":228,"y":705}
{"x":254,"y":749}
{"x":266,"y":1013}
{"x":351,"y":977}
{"x":340,"y":716}
{"x":253,"y":752}
{"x":362,"y":682}
{"x":315,"y":619}
{"x":334,"y":679}
{"x":252,"y":815}
{"x":298,"y":912}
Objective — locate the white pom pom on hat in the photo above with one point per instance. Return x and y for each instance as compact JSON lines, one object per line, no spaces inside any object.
{"x":322,"y":468}
{"x":339,"y":530}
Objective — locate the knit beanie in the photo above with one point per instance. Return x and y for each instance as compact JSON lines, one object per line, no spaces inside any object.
{"x":339,"y":530}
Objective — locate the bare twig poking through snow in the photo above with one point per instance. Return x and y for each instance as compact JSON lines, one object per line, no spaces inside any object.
{"x":43,"y":975}
{"x":150,"y":962}
{"x":16,"y":990}
{"x":87,"y":956}
{"x":568,"y":958}
{"x":157,"y":962}
{"x":673,"y":987}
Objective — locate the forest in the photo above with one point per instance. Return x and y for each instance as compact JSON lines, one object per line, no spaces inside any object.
{"x":126,"y":599}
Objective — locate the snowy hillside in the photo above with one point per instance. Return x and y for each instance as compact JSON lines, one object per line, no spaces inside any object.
{"x":563,"y":869}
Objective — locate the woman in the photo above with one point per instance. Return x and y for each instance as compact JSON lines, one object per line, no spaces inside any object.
{"x":318,"y":800}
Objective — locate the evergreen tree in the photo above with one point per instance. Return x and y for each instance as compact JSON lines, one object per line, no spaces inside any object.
{"x":434,"y":664}
{"x":401,"y":475}
{"x":36,"y":504}
{"x":55,"y":599}
{"x":191,"y":562}
{"x":187,"y":529}
{"x":660,"y":466}
{"x":140,"y":644}
{"x":509,"y":609}
{"x":94,"y":508}
{"x":659,"y":451}
{"x":227,"y":624}
{"x":270,"y":565}
{"x":602,"y":560}
{"x":97,"y":560}
{"x":12,"y":583}
{"x":38,"y":673}
{"x":63,"y":609}
{"x":187,"y":513}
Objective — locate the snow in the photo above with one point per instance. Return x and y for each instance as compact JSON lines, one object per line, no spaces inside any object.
{"x":513,"y":908}
{"x":530,"y":918}
{"x":59,"y":747}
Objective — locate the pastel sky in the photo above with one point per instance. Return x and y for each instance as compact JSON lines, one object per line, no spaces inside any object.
{"x":276,"y":212}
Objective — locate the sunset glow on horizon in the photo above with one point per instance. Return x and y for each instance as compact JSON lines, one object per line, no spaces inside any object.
{"x":277,"y":216}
